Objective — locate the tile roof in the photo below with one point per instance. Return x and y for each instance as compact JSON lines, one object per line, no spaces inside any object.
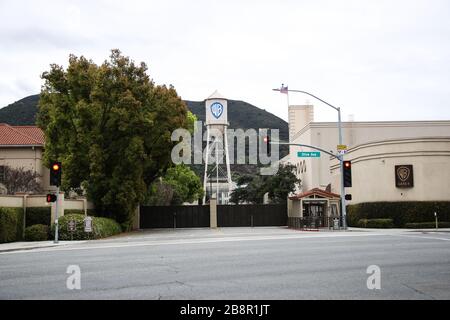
{"x":21,"y":135}
{"x":315,"y":191}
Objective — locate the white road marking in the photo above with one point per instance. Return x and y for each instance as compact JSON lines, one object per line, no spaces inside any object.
{"x":198,"y":241}
{"x":420,"y":237}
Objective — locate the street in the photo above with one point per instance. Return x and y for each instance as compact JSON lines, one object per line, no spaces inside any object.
{"x":236,"y":263}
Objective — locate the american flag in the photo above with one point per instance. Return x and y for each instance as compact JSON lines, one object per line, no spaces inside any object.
{"x":284,"y":89}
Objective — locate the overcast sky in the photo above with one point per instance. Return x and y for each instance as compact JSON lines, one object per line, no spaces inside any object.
{"x":378,"y":60}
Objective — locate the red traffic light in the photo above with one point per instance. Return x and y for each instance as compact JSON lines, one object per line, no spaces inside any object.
{"x":51,"y":197}
{"x":347,"y":164}
{"x":266,"y":139}
{"x":55,"y":167}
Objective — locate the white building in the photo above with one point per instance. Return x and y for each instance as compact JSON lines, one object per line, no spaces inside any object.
{"x":375,"y":149}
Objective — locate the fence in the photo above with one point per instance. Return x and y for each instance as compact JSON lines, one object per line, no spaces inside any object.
{"x":199,"y":216}
{"x":315,"y":223}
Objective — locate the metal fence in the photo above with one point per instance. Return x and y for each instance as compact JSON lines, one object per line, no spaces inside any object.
{"x":315,"y":223}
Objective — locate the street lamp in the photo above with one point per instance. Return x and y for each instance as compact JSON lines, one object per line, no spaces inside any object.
{"x":340,"y":157}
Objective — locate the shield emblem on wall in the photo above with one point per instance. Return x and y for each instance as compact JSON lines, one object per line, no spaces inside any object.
{"x":403,"y":173}
{"x":217,"y":109}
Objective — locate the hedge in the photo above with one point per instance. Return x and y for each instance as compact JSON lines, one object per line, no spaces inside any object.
{"x":90,"y":212}
{"x":37,"y":232}
{"x":38,"y":215}
{"x":11,"y":224}
{"x":427,"y":225}
{"x":375,"y":223}
{"x":400,"y":212}
{"x":102,"y":227}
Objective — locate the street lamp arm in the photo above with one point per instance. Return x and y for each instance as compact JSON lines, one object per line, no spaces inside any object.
{"x":310,"y":94}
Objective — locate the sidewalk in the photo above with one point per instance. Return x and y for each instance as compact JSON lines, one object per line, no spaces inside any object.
{"x":23,"y":245}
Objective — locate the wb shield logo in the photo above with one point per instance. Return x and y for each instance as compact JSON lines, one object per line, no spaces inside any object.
{"x":217,"y":109}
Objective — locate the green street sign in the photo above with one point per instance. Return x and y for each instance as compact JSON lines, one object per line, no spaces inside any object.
{"x":311,"y":154}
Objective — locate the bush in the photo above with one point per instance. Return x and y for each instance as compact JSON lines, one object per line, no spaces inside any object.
{"x":427,"y":225}
{"x":375,"y":223}
{"x":102,"y":227}
{"x":38,"y":215}
{"x":11,"y":224}
{"x":37,"y":232}
{"x":90,"y":212}
{"x":400,"y":212}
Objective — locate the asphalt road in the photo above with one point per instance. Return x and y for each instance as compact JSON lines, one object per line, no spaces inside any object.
{"x":236,"y":263}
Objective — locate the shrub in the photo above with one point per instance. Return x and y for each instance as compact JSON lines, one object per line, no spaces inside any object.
{"x":90,"y":212}
{"x":11,"y":224}
{"x":400,"y":212}
{"x":102,"y":227}
{"x":427,"y":225}
{"x":37,"y":232}
{"x":375,"y":223}
{"x":38,"y":215}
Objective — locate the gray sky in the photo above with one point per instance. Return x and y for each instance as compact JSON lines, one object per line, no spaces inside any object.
{"x":378,"y":60}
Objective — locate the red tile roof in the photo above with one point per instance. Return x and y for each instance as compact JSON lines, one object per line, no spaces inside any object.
{"x":21,"y":135}
{"x":315,"y":191}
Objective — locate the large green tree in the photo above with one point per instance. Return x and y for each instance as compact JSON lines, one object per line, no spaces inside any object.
{"x":252,"y":189}
{"x":179,"y":184}
{"x":110,"y":125}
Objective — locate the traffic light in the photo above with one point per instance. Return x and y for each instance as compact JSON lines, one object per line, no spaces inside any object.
{"x":347,"y":174}
{"x":55,"y":173}
{"x":266,"y":140}
{"x":51,"y":197}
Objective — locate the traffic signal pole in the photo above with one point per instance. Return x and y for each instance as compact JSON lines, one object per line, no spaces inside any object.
{"x":56,"y":215}
{"x":340,"y":157}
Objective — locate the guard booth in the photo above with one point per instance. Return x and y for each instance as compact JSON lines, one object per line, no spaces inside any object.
{"x":314,"y":209}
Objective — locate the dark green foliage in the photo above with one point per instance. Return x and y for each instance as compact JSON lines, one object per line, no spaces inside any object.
{"x":240,"y":115}
{"x":103,"y":227}
{"x":400,"y":212}
{"x":11,"y":224}
{"x":111,"y":127}
{"x":38,"y":215}
{"x":375,"y":223}
{"x":21,"y":113}
{"x":37,"y":232}
{"x":90,"y":212}
{"x":427,"y":225}
{"x":251,"y":189}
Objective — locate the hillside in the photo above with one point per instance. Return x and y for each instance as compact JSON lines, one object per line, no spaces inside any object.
{"x":240,"y":115}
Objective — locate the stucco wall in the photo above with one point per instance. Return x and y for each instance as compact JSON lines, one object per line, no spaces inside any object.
{"x":325,"y":135}
{"x":373,"y":170}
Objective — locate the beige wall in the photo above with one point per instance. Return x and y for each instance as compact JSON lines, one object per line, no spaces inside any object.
{"x":299,"y":117}
{"x":325,"y":135}
{"x":29,"y":158}
{"x":373,"y":170}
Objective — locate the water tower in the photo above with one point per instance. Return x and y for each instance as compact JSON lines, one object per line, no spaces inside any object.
{"x":217,"y":178}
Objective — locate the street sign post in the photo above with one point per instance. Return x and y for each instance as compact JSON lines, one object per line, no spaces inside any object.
{"x":88,"y":224}
{"x":72,"y":227}
{"x":341,"y":149}
{"x":309,"y":154}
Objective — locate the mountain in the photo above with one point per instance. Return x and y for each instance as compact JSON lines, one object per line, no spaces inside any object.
{"x":240,"y":115}
{"x":20,"y":113}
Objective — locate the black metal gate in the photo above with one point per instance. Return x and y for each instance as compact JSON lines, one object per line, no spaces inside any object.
{"x":174,"y":217}
{"x":251,"y":215}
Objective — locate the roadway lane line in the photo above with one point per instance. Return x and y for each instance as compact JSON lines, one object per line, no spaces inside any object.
{"x":196,"y":241}
{"x":420,"y":237}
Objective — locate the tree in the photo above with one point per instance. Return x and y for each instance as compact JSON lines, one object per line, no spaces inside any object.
{"x":252,"y":189}
{"x":282,"y":183}
{"x":21,"y":180}
{"x":110,"y":126}
{"x":180,"y":184}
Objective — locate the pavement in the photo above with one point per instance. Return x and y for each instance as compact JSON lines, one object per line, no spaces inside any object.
{"x":235,"y":263}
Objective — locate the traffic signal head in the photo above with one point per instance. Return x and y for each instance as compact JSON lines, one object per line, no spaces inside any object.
{"x":51,"y":197}
{"x":55,"y":173}
{"x":266,"y":139}
{"x":347,"y":174}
